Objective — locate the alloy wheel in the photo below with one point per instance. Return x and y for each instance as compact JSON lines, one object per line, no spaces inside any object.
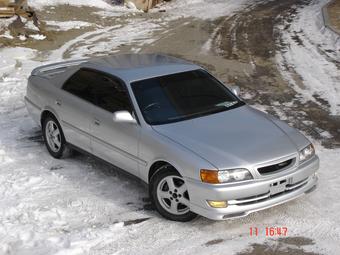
{"x":173,"y":196}
{"x":53,"y":136}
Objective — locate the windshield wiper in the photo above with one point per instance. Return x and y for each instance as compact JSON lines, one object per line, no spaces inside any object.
{"x":227,"y":104}
{"x":210,"y":111}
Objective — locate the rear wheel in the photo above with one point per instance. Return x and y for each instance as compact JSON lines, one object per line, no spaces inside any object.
{"x":170,"y":195}
{"x":54,"y":138}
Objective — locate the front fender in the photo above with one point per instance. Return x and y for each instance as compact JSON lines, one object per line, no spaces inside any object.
{"x":156,"y":147}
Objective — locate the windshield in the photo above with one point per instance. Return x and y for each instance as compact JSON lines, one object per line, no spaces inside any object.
{"x":181,"y":96}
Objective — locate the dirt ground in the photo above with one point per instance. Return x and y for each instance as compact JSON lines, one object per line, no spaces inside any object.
{"x":266,"y":81}
{"x":56,"y":38}
{"x":334,"y":14}
{"x":250,"y":64}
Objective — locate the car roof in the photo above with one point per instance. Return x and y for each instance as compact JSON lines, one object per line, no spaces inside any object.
{"x":134,"y":67}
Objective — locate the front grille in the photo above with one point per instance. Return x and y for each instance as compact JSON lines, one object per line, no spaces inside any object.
{"x":274,"y":168}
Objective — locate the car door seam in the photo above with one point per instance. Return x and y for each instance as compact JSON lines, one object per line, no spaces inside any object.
{"x":75,"y":128}
{"x":110,"y":146}
{"x":122,"y":152}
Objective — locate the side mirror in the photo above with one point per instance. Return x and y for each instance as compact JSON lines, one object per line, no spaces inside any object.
{"x":124,"y":117}
{"x":235,"y":90}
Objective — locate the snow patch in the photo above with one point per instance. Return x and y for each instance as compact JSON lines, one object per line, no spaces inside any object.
{"x":39,"y":4}
{"x":30,"y":25}
{"x":38,"y":37}
{"x":312,"y":54}
{"x":4,"y":23}
{"x":7,"y":35}
{"x":202,"y":9}
{"x":68,"y":25}
{"x":22,"y":38}
{"x":137,"y":32}
{"x":131,"y":5}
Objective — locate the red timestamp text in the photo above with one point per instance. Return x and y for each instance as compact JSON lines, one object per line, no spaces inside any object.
{"x":268,"y":231}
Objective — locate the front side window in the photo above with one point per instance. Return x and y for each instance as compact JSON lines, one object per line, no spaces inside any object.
{"x":111,"y":95}
{"x":181,"y":96}
{"x":99,"y":89}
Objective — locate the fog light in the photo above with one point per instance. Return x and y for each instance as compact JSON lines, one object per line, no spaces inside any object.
{"x":218,"y":204}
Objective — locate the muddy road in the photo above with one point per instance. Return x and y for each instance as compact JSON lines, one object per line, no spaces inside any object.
{"x":252,"y":37}
{"x":241,"y":50}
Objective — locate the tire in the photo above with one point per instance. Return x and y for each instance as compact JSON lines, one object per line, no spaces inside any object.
{"x":170,"y":196}
{"x":55,"y":143}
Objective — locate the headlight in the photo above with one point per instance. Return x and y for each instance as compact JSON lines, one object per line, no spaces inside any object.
{"x":225,"y":176}
{"x":306,"y":153}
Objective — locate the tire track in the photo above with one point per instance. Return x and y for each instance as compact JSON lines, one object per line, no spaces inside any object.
{"x":253,"y":36}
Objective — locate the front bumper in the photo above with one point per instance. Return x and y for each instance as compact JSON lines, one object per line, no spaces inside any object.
{"x":253,"y":196}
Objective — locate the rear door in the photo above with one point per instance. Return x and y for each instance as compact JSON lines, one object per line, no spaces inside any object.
{"x":76,"y":106}
{"x":114,"y":142}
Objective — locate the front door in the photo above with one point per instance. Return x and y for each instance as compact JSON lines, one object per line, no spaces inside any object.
{"x":114,"y":142}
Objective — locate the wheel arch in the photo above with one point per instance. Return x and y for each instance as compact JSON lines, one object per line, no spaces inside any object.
{"x":48,"y":112}
{"x":156,"y":165}
{"x":187,"y":215}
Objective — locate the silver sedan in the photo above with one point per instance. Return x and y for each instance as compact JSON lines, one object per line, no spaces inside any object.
{"x":170,"y":123}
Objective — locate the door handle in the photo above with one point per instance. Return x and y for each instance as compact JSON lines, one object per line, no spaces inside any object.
{"x":58,"y":102}
{"x":97,"y":122}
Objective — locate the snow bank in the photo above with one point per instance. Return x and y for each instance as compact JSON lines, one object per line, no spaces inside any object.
{"x":313,"y":54}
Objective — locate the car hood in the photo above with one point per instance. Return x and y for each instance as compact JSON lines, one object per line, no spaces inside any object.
{"x":234,"y":138}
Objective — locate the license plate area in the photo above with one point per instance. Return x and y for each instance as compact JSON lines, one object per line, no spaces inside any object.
{"x":278,"y":187}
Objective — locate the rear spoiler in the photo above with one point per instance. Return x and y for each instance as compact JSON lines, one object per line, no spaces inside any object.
{"x":56,"y":68}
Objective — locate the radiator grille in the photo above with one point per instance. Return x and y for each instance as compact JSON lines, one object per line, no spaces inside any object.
{"x":276,"y":167}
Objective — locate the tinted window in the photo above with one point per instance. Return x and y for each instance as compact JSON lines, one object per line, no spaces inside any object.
{"x":97,"y":88}
{"x":81,"y":84}
{"x":111,"y":95}
{"x":182,"y":96}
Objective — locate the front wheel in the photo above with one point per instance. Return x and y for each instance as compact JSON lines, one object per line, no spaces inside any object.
{"x":170,"y":195}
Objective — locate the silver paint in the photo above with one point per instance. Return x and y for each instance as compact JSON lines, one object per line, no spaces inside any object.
{"x":239,"y":138}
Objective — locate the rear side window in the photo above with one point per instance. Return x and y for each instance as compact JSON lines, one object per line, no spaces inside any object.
{"x":99,"y":89}
{"x":81,"y":84}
